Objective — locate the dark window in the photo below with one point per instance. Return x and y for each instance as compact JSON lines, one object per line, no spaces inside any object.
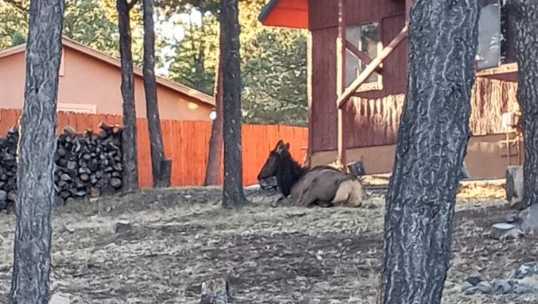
{"x":367,"y":39}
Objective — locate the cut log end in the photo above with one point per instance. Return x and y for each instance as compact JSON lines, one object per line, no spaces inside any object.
{"x":87,"y":164}
{"x":216,"y":293}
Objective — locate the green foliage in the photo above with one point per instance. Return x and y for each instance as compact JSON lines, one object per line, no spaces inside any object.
{"x":275,"y":79}
{"x":273,"y":64}
{"x":89,"y":22}
{"x":14,"y":25}
{"x":193,"y":61}
{"x":273,"y":60}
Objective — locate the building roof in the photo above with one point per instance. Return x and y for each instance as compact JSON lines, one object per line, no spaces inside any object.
{"x":285,"y":13}
{"x":178,"y":87}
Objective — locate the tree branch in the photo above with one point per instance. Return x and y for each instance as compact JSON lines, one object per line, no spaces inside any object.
{"x":131,"y":4}
{"x":16,"y":4}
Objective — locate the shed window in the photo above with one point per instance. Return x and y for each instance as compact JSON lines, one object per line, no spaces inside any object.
{"x":77,"y":108}
{"x":367,"y":39}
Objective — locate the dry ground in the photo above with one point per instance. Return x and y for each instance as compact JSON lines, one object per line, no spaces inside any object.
{"x":176,"y":239}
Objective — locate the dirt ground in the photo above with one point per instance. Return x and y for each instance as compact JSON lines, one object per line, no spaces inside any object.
{"x":173,"y":240}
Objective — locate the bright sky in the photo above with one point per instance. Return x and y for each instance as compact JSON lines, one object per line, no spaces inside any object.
{"x":171,"y":30}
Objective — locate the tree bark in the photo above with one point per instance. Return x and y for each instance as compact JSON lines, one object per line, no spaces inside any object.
{"x":214,"y":159}
{"x":433,"y":136}
{"x":130,"y":162}
{"x":37,"y":146}
{"x":524,"y":15}
{"x":158,"y":161}
{"x":233,"y":195}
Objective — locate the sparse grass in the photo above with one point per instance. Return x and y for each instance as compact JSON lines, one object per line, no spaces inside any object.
{"x":180,"y":238}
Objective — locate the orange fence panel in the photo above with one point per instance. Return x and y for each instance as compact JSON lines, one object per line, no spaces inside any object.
{"x":186,"y":144}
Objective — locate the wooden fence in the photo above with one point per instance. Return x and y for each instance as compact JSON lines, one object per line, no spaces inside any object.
{"x":186,"y":143}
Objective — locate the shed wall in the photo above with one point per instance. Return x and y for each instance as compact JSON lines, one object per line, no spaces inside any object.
{"x":372,"y":118}
{"x":86,"y":80}
{"x":366,"y":117}
{"x":323,"y":13}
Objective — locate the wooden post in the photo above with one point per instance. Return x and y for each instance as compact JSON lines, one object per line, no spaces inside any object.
{"x":341,"y":84}
{"x":408,"y":5}
{"x":310,"y":77}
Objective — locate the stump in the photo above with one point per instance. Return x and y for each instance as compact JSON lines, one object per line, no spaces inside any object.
{"x":503,"y":230}
{"x":514,"y":185}
{"x":216,"y":293}
{"x":529,"y":217}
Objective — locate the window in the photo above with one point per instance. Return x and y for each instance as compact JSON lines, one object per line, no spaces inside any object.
{"x":366,"y":38}
{"x":78,"y":108}
{"x":490,"y":35}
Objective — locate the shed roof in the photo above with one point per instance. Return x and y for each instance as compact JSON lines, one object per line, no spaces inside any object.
{"x":178,"y":87}
{"x":285,"y":13}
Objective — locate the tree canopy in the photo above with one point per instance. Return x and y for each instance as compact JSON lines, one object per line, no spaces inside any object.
{"x":273,"y":61}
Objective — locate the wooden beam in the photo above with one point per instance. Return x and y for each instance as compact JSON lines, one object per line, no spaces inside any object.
{"x":502,"y":69}
{"x":362,"y":56}
{"x":342,"y":99}
{"x":310,"y":86}
{"x":341,"y":84}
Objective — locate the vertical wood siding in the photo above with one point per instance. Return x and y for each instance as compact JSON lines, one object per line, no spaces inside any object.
{"x":373,"y":117}
{"x":323,"y":13}
{"x":375,"y":121}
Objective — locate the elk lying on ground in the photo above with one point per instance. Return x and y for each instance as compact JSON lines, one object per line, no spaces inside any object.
{"x":323,"y":185}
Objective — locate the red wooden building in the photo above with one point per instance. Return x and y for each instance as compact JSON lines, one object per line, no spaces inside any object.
{"x":357,"y":78}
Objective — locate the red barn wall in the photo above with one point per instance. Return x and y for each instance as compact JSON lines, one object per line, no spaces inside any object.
{"x":373,"y":118}
{"x":366,"y":117}
{"x":324,"y":14}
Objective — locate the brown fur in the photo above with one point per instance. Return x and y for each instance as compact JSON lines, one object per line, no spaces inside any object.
{"x":322,"y":186}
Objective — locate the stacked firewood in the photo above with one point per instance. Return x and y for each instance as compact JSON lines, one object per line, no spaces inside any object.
{"x":8,"y":168}
{"x":87,"y":164}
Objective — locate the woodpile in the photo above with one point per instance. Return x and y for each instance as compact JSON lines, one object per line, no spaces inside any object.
{"x":8,"y":168}
{"x":87,"y":164}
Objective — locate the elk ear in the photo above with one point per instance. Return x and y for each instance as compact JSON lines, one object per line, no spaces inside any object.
{"x":287,"y":146}
{"x":278,"y":145}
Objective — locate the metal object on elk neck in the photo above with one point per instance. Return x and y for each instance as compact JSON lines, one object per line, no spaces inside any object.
{"x":357,"y":169}
{"x":216,"y":292}
{"x":269,"y":184}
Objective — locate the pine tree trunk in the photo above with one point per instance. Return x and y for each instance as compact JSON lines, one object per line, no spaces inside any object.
{"x":525,"y":18}
{"x":214,"y":160}
{"x":233,"y":195}
{"x":433,"y":136}
{"x":161,"y":174}
{"x":130,"y":162}
{"x":36,"y":149}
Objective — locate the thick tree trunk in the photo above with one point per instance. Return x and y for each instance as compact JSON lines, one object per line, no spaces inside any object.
{"x":161,"y":174}
{"x":37,"y":146}
{"x":433,"y":136}
{"x":524,"y":15}
{"x":130,"y":162}
{"x":214,"y":160}
{"x":233,"y":195}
